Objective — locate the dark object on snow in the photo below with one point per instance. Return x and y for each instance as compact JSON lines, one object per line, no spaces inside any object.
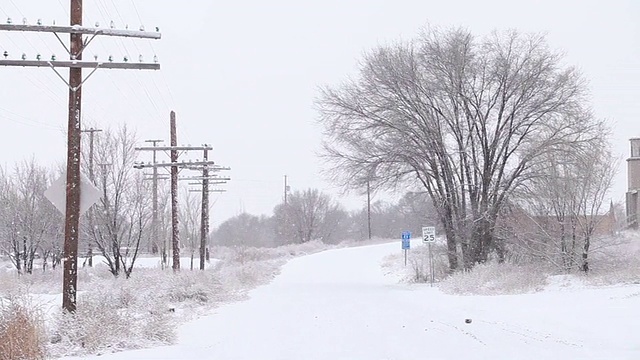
{"x":468,"y":321}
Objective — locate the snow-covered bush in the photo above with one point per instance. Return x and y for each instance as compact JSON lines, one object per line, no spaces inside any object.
{"x":112,"y":318}
{"x":419,"y":262}
{"x":617,"y":264}
{"x":22,"y":334}
{"x":496,"y":279}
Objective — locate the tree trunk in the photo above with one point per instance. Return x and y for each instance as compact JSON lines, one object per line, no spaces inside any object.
{"x":585,"y":254}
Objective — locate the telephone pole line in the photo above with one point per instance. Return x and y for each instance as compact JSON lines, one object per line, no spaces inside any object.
{"x":206,"y":180}
{"x":154,"y":219}
{"x":74,"y":83}
{"x":91,"y":132}
{"x":174,"y":151}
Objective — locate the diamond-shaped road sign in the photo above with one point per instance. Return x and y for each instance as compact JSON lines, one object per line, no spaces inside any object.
{"x":57,"y":194}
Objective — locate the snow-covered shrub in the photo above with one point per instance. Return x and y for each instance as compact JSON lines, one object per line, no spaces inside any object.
{"x":111,"y":319}
{"x":417,"y":268}
{"x":618,"y":263}
{"x":195,"y":286}
{"x":496,"y":279}
{"x":22,"y":334}
{"x":418,"y":261}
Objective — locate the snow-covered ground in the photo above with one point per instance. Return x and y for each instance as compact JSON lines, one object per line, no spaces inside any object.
{"x":338,"y":304}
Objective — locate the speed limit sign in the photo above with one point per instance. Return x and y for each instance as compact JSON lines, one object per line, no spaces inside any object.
{"x":428,"y":234}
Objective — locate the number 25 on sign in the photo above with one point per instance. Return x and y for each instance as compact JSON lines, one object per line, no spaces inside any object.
{"x":428,"y":234}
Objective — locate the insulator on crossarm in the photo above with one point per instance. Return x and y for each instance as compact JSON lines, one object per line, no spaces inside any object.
{"x":97,"y":24}
{"x":126,"y":58}
{"x":9,"y":21}
{"x":110,"y":58}
{"x":126,"y":27}
{"x":53,"y":57}
{"x":140,"y":58}
{"x":24,"y":56}
{"x":95,"y":57}
{"x":141,"y":27}
{"x":112,"y":24}
{"x":5,"y":54}
{"x":155,"y":58}
{"x":24,"y":21}
{"x":157,"y":29}
{"x":38,"y":57}
{"x":39,"y":22}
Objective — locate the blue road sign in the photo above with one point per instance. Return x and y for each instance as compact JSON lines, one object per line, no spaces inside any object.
{"x":406,"y":240}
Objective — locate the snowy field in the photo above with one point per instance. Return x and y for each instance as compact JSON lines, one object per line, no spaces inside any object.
{"x":339,"y":304}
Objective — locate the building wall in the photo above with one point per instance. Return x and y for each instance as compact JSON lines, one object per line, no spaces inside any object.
{"x":632,"y":209}
{"x":633,"y":180}
{"x":633,"y":173}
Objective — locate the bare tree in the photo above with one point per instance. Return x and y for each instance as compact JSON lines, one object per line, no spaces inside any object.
{"x":304,"y":216}
{"x":190,"y":223}
{"x":465,"y":118}
{"x":123,"y":213}
{"x":563,"y":206}
{"x":31,"y":222}
{"x":245,"y":230}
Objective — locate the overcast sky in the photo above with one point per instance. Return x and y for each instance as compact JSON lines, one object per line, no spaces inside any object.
{"x":242,"y":76}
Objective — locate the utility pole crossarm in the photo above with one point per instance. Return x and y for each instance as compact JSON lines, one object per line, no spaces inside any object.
{"x":80,"y":64}
{"x":177,"y":148}
{"x":210,"y":177}
{"x":77,"y":29}
{"x":170,"y":164}
{"x":210,"y":183}
{"x":210,"y":168}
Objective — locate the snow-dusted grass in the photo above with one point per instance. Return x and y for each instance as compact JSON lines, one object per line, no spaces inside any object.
{"x":618,"y":263}
{"x":338,"y":304}
{"x":496,"y":279}
{"x":115,"y":314}
{"x":22,"y":332}
{"x":613,"y":261}
{"x":417,"y":269}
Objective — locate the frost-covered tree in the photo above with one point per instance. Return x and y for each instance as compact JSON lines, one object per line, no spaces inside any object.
{"x":564,"y":208}
{"x":465,"y":117}
{"x":189,"y":222}
{"x":245,"y":230}
{"x":30,"y":223}
{"x":306,"y":216}
{"x":124,"y":211}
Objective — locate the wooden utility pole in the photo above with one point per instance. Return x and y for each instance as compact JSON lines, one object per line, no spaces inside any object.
{"x":204,"y":213}
{"x":206,"y":180}
{"x":154,"y":219}
{"x":75,"y":81}
{"x":286,"y":188}
{"x":369,"y":208}
{"x":174,"y":195}
{"x":91,"y":132}
{"x":70,"y":278}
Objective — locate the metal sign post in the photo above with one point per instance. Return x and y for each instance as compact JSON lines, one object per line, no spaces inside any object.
{"x":429,"y":237}
{"x":406,"y":244}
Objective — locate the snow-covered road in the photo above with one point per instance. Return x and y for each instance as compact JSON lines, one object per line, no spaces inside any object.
{"x":339,"y":305}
